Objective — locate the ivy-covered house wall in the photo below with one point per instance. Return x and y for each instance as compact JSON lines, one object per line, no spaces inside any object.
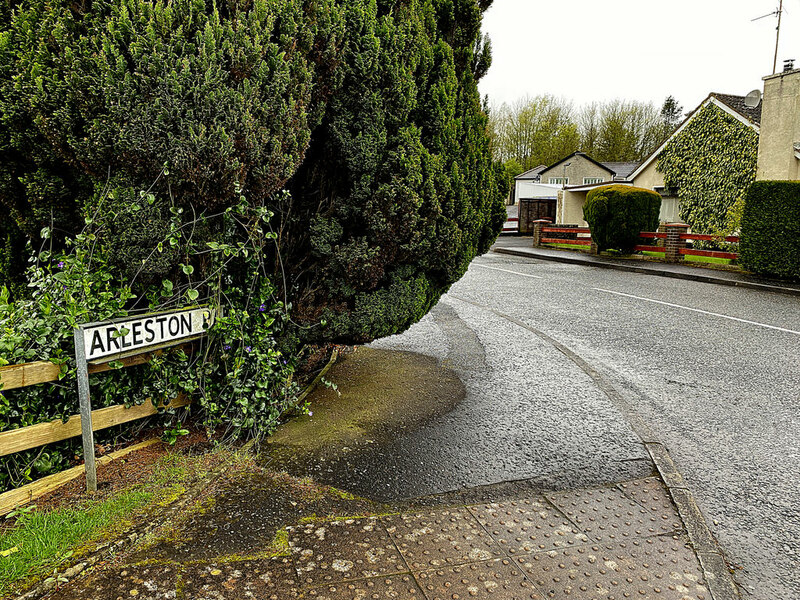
{"x":711,"y":163}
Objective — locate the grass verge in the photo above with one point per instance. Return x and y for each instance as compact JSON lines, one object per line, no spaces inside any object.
{"x":39,"y":542}
{"x":691,"y":258}
{"x":568,"y":247}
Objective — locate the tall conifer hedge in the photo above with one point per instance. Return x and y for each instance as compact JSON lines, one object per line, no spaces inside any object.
{"x":366,"y":111}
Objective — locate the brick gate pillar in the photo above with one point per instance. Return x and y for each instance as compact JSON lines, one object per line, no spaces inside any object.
{"x":537,"y":231}
{"x":674,"y":244}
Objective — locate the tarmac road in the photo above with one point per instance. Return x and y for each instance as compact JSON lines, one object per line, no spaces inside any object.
{"x":711,"y":370}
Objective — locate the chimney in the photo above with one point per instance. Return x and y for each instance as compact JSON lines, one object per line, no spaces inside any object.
{"x":788,"y":65}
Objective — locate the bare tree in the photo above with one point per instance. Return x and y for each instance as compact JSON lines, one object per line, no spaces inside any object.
{"x":533,"y":131}
{"x":543,"y":129}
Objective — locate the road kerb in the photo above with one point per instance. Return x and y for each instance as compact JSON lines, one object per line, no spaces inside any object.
{"x":720,"y":580}
{"x":701,"y":278}
{"x":718,"y":577}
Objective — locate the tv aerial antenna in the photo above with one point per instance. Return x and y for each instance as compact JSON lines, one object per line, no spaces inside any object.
{"x":779,"y":12}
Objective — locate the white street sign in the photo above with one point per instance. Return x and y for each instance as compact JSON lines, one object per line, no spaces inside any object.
{"x":138,"y":334}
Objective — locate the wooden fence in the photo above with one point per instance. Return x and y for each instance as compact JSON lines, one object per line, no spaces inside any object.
{"x":34,"y":436}
{"x":675,"y":245}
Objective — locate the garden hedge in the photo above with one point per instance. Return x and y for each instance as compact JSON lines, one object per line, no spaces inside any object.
{"x":618,"y":213}
{"x":770,"y":236}
{"x":366,"y":111}
{"x":319,"y":170}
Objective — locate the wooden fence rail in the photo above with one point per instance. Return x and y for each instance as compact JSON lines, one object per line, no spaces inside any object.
{"x":33,"y":436}
{"x":675,"y":240}
{"x":17,"y":376}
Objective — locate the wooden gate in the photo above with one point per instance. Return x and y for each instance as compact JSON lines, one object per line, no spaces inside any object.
{"x":533,"y":209}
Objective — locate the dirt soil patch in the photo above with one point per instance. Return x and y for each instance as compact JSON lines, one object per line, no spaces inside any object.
{"x":127,"y":471}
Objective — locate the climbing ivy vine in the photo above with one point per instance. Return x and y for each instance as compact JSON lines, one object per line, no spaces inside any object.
{"x":711,"y":164}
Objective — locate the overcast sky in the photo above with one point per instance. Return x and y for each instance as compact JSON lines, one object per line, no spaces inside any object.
{"x":586,"y":50}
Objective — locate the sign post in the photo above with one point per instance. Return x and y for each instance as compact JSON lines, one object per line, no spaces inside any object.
{"x":106,"y":341}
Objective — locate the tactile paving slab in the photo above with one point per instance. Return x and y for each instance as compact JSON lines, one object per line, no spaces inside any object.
{"x":642,"y":568}
{"x":652,"y":494}
{"x":496,"y":579}
{"x":439,"y":538}
{"x":157,"y":582}
{"x":395,"y":587}
{"x":671,"y":566}
{"x":333,"y":551}
{"x":270,"y":579}
{"x":606,"y":514}
{"x":526,"y":526}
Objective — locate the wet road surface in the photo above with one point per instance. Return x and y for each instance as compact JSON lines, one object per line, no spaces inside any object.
{"x":712,"y":370}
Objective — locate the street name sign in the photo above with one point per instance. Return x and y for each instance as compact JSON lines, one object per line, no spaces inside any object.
{"x":135,"y":335}
{"x":121,"y":338}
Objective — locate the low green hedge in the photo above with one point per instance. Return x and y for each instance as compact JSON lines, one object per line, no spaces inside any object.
{"x":770,"y":236}
{"x":616,"y":214}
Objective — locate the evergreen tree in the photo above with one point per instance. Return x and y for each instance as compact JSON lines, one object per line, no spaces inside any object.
{"x":671,"y":115}
{"x":398,"y":187}
{"x":366,"y":110}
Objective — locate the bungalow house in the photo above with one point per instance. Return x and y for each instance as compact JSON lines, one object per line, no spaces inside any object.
{"x":524,"y":182}
{"x":731,"y":112}
{"x":536,"y":190}
{"x":581,"y":169}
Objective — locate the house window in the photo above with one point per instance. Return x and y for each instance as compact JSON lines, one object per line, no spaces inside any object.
{"x":588,"y":180}
{"x":559,"y":181}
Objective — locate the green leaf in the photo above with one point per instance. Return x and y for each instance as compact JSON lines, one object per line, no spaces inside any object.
{"x":192,"y":294}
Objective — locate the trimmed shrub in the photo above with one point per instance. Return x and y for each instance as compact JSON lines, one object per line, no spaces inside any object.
{"x":618,"y":213}
{"x":770,"y":238}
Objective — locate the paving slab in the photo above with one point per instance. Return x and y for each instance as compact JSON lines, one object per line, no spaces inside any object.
{"x":652,"y":494}
{"x":272,"y":579}
{"x":529,"y":525}
{"x":402,"y":585}
{"x":336,"y":551}
{"x":657,"y":567}
{"x":498,"y":579}
{"x":607,"y":514}
{"x":440,"y":538}
{"x":157,"y":582}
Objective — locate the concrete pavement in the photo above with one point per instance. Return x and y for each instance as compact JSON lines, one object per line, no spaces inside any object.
{"x":274,"y":536}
